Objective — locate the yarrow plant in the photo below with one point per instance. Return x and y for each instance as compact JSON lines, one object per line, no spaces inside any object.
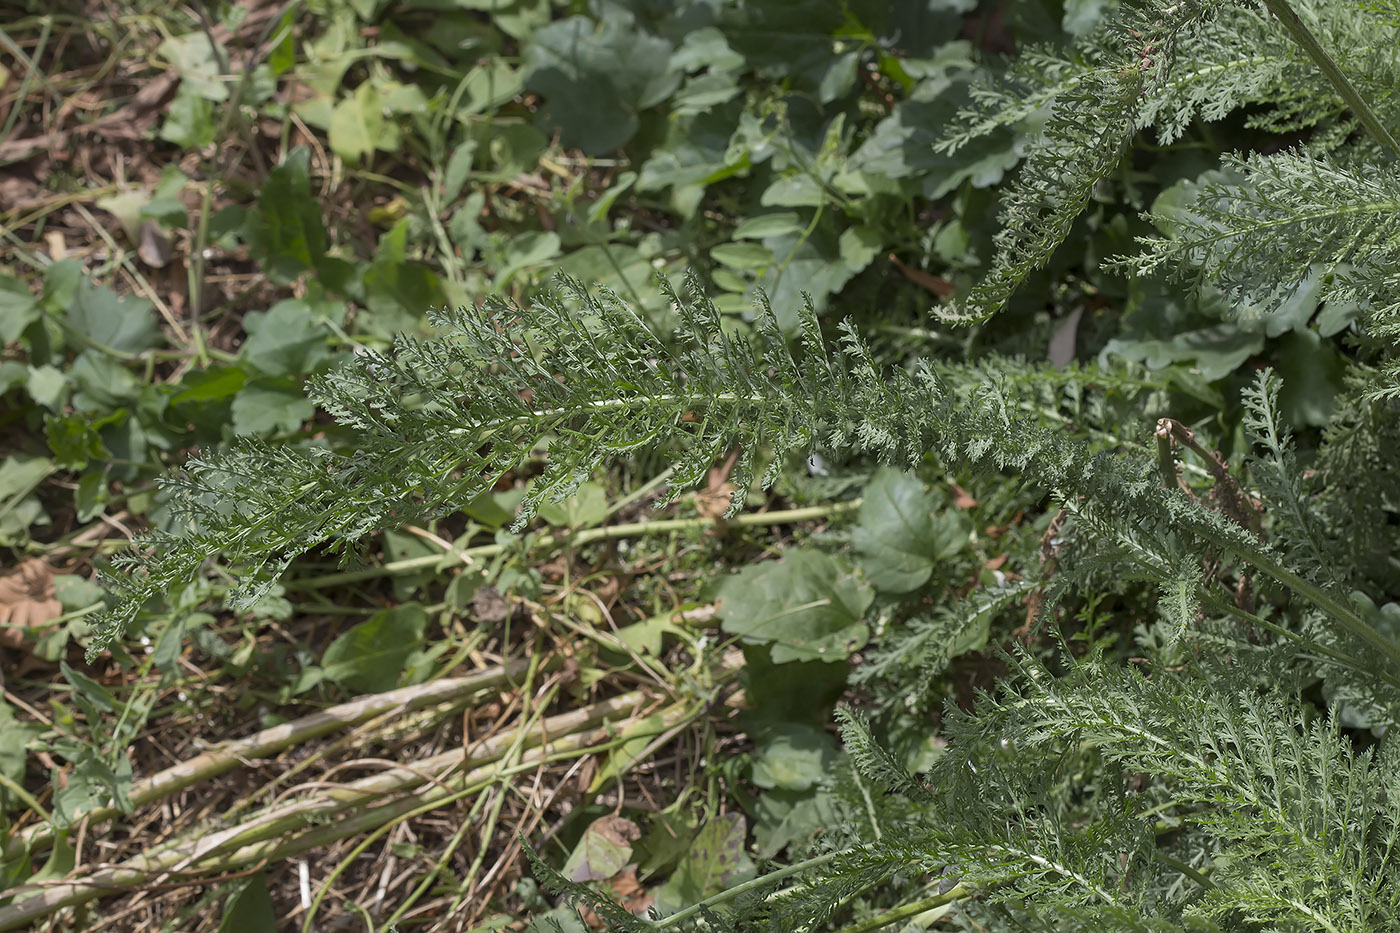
{"x":1241,"y":776}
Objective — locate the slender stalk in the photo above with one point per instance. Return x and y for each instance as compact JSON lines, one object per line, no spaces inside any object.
{"x":1329,"y":604}
{"x":760,"y":882}
{"x":587,"y":536}
{"x":880,"y":921}
{"x":1358,"y":104}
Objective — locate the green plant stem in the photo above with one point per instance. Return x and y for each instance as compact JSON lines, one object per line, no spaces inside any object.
{"x":1327,"y":655}
{"x":24,"y":796}
{"x":1179,"y":866}
{"x":587,"y":536}
{"x":1329,"y":604}
{"x":880,"y":921}
{"x":1314,"y":50}
{"x":31,"y":71}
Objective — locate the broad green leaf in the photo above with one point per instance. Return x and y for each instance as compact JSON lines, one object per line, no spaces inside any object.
{"x":510,"y":149}
{"x":269,"y":406}
{"x":859,"y":246}
{"x":19,"y":507}
{"x":101,"y":384}
{"x":636,"y":739}
{"x":598,"y":210}
{"x":794,"y":691}
{"x":490,"y":84}
{"x":194,"y":58}
{"x":286,"y":230}
{"x":716,"y":861}
{"x":61,"y":281}
{"x":75,"y":441}
{"x":803,"y":268}
{"x":96,"y":694}
{"x":402,"y":291}
{"x":793,"y":191}
{"x":92,"y":783}
{"x":401,"y":545}
{"x":604,"y":850}
{"x":766,"y":225}
{"x":289,"y":339}
{"x":903,"y":534}
{"x":63,"y":858}
{"x":126,"y":324}
{"x":371,"y":655}
{"x":597,"y":77}
{"x":74,"y":592}
{"x":249,"y":908}
{"x":18,"y":308}
{"x":1313,"y":375}
{"x":793,"y":756}
{"x":14,"y":736}
{"x":358,"y":126}
{"x":48,"y":386}
{"x":645,"y":637}
{"x":459,"y":166}
{"x":807,"y":606}
{"x":282,"y":53}
{"x":784,"y":817}
{"x":667,"y":839}
{"x":126,"y":207}
{"x":586,"y":507}
{"x":525,"y":251}
{"x":1217,"y":351}
{"x":1082,"y":16}
{"x":742,"y":255}
{"x":902,"y":145}
{"x":214,"y":384}
{"x":695,"y":153}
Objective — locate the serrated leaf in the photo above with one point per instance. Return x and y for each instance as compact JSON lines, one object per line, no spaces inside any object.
{"x":370,"y":657}
{"x":903,"y":534}
{"x":286,"y":231}
{"x":808,"y":606}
